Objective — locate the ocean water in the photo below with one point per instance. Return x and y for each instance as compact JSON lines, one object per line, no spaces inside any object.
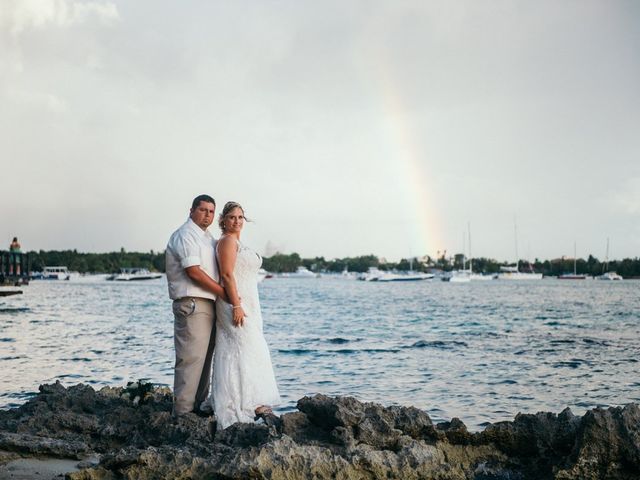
{"x":481,"y":351}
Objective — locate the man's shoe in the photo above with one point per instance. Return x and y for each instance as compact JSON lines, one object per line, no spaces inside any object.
{"x":204,"y":410}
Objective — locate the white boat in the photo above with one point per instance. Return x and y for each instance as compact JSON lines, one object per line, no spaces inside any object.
{"x":464,"y":275}
{"x":475,"y":276}
{"x":512,"y":273}
{"x":410,"y":276}
{"x":457,"y":276}
{"x":574,"y":275}
{"x":301,"y":272}
{"x":347,"y":275}
{"x":53,"y":273}
{"x":482,"y":277}
{"x":372,"y":275}
{"x":133,"y":274}
{"x":610,"y":276}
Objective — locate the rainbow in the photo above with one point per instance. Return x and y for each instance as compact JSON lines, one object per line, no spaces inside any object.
{"x":426,"y":232}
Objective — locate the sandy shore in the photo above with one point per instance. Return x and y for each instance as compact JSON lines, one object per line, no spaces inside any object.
{"x":39,"y":468}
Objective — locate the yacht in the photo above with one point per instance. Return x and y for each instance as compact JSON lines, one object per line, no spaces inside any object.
{"x":571,"y":276}
{"x":53,"y":273}
{"x":482,"y":277}
{"x":132,"y":274}
{"x":610,"y":276}
{"x":347,"y":275}
{"x":372,"y":275}
{"x":574,"y":275}
{"x":410,"y":276}
{"x":457,"y":276}
{"x":301,"y":272}
{"x":474,"y":276}
{"x":512,"y":273}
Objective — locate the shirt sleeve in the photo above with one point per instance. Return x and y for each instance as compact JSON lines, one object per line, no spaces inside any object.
{"x":187,"y":249}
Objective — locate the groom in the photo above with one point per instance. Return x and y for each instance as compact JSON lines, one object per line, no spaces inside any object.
{"x":192,"y":274}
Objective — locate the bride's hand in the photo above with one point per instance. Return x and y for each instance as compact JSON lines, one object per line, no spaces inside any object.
{"x":238,"y":316}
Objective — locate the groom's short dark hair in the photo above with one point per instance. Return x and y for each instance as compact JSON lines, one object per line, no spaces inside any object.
{"x":202,"y":198}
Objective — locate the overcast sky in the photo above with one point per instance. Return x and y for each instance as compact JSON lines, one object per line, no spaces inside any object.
{"x":343,"y":127}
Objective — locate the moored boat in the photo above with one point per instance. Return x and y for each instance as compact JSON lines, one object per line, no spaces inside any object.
{"x":372,"y":275}
{"x":52,"y":273}
{"x":512,"y":273}
{"x":574,"y":275}
{"x":457,"y":276}
{"x":608,"y":275}
{"x":301,"y":272}
{"x":613,"y":276}
{"x":410,"y":276}
{"x":134,"y":274}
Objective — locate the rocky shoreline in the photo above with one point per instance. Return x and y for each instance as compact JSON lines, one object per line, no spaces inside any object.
{"x":129,"y":433}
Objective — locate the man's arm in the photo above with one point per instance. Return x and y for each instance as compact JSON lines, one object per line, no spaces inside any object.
{"x":203,"y":280}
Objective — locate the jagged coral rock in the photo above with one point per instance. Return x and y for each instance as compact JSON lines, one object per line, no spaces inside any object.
{"x":327,"y":438}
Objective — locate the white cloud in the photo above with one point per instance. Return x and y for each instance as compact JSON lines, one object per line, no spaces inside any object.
{"x":18,"y":16}
{"x":627,"y":198}
{"x":38,"y":101}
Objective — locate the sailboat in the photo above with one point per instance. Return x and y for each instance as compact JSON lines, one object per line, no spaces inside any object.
{"x":459,"y":276}
{"x":608,"y":275}
{"x":513,"y":273}
{"x":475,"y":276}
{"x":574,"y":275}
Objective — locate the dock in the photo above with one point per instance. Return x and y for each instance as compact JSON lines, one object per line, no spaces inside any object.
{"x":15,"y":272}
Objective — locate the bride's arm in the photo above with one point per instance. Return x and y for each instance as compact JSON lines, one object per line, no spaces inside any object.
{"x":227,"y":254}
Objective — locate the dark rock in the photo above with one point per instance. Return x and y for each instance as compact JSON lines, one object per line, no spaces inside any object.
{"x":328,"y":413}
{"x":415,"y":423}
{"x":544,"y":435}
{"x":245,"y":435}
{"x":328,"y":438}
{"x":298,"y":426}
{"x":607,"y":445}
{"x":37,"y":445}
{"x":455,"y":432}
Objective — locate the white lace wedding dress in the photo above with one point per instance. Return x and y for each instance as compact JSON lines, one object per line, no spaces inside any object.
{"x":243,"y":377}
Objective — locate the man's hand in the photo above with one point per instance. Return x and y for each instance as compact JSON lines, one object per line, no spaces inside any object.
{"x":223,"y":296}
{"x":204,"y":281}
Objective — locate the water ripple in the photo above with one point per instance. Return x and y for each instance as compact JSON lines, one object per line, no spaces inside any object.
{"x":481,"y":352}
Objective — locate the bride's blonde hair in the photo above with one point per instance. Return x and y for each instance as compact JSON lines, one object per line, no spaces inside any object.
{"x":225,"y":211}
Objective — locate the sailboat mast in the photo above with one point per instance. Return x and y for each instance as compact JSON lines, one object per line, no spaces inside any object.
{"x":515,"y":236}
{"x":464,"y":249}
{"x":575,"y":259}
{"x":470,"y":256}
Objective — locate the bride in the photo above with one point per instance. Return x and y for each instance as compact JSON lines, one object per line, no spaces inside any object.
{"x":243,"y":381}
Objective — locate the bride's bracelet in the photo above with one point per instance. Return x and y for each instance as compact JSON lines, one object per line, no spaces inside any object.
{"x":236,"y":306}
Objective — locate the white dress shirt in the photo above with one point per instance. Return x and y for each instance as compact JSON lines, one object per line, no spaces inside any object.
{"x":189,"y":246}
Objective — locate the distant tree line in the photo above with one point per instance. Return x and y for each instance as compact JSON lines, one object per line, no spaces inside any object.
{"x":280,"y":263}
{"x":96,"y":262}
{"x":628,"y":267}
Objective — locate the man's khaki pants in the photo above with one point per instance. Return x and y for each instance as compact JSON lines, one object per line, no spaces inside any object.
{"x":194,"y":336}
